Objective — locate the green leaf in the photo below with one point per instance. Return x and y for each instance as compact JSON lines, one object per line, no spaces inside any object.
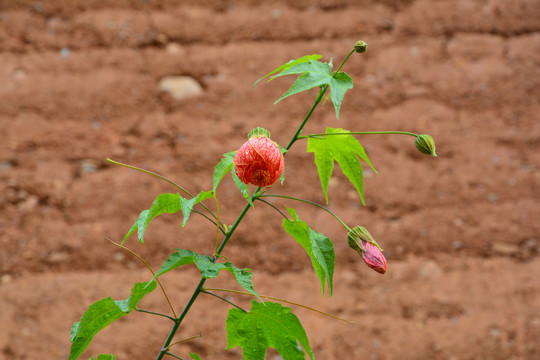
{"x":187,"y":205}
{"x":194,"y":356}
{"x":290,"y":64}
{"x":344,"y":149}
{"x":243,"y":277}
{"x":207,"y":267}
{"x":166,"y":203}
{"x":104,"y":357}
{"x":339,"y":84}
{"x":139,"y":223}
{"x":319,"y":248}
{"x":222,"y":168}
{"x":102,"y":313}
{"x":267,"y":325}
{"x":315,"y":73}
{"x":243,"y":188}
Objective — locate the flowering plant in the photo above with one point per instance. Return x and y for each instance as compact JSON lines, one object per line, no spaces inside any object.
{"x":259,"y":161}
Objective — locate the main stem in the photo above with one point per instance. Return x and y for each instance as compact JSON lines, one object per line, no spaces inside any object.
{"x":199,"y":288}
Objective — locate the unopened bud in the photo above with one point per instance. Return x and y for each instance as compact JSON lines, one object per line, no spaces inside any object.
{"x":361,"y":240}
{"x":425,"y":144}
{"x":360,"y":46}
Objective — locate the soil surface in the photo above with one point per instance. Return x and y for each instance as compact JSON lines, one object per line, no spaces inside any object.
{"x":80,"y":82}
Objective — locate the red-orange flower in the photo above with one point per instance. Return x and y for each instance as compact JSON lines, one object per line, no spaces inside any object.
{"x":259,"y":161}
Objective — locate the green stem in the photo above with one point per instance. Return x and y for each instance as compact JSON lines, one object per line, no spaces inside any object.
{"x":236,"y":223}
{"x":360,"y":133}
{"x":311,"y":203}
{"x":299,"y":131}
{"x":230,"y":231}
{"x":174,"y":329}
{"x":344,"y":61}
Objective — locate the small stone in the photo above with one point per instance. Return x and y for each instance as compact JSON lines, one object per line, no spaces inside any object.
{"x":6,"y":165}
{"x":457,"y":244}
{"x":119,"y":256}
{"x":58,"y":257}
{"x":174,"y":49}
{"x":64,"y":52}
{"x":5,"y":279}
{"x":89,"y":166}
{"x":29,"y":203}
{"x":430,"y":269}
{"x":505,"y":248}
{"x":180,"y":87}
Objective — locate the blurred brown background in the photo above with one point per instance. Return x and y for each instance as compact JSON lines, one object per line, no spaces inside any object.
{"x":81,"y":81}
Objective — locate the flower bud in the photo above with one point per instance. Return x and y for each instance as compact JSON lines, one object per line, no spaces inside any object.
{"x":361,"y":240}
{"x":360,"y":46}
{"x":425,"y":144}
{"x":259,"y":160}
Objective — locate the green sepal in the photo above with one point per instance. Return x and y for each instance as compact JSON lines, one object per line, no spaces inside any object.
{"x":425,"y":144}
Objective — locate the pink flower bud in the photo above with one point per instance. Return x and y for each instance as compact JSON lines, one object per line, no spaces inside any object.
{"x":373,"y":257}
{"x":259,"y":161}
{"x":361,"y":240}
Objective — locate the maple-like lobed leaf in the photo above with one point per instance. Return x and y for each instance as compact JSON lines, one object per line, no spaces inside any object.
{"x":264,"y":326}
{"x":345,"y":149}
{"x":314,"y":73}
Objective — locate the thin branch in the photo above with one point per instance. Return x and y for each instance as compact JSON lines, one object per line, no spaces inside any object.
{"x":209,"y":219}
{"x":273,"y":206}
{"x":174,"y":356}
{"x":311,"y":203}
{"x":184,"y":340}
{"x":282,"y":300}
{"x":162,"y":178}
{"x":358,"y":133}
{"x":155,"y":313}
{"x":222,"y":298}
{"x":148,"y":267}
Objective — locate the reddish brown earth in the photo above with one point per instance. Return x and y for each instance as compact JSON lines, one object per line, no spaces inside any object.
{"x":79,"y":83}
